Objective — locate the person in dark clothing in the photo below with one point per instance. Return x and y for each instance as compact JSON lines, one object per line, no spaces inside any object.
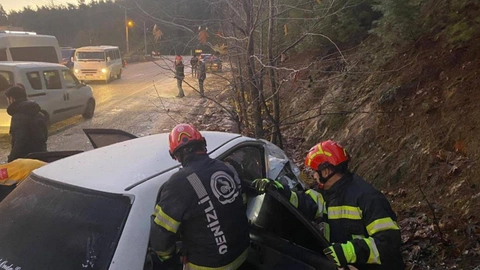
{"x":356,"y":218}
{"x":202,"y":203}
{"x":28,"y":127}
{"x":179,"y":75}
{"x":194,"y":64}
{"x":202,"y":75}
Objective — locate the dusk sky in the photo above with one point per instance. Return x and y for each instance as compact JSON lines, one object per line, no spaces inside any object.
{"x":20,"y":4}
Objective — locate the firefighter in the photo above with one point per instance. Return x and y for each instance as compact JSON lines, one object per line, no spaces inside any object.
{"x":202,"y":203}
{"x":356,"y":218}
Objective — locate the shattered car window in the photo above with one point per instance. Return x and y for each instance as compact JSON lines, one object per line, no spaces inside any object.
{"x":281,"y":168}
{"x":58,"y":226}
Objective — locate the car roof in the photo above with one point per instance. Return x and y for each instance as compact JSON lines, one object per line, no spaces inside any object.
{"x":29,"y":64}
{"x":118,"y":167}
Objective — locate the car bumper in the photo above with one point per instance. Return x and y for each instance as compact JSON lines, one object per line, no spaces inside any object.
{"x":91,"y":77}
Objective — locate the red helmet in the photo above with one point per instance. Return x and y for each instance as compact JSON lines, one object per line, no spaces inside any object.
{"x":324,"y":154}
{"x":182,"y":135}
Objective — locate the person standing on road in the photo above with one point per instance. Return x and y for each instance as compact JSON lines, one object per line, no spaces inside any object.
{"x":203,"y":204}
{"x":194,"y":64}
{"x":202,"y":75}
{"x":28,"y":127}
{"x":180,"y":76}
{"x":357,"y":219}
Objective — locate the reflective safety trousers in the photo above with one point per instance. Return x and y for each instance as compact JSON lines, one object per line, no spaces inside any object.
{"x":352,"y":210}
{"x":203,"y":204}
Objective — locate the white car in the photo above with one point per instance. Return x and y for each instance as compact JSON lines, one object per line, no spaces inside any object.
{"x":53,"y":86}
{"x":92,"y":210}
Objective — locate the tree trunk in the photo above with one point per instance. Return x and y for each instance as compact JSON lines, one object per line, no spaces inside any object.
{"x":277,"y":138}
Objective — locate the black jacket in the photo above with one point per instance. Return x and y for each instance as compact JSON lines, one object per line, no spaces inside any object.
{"x":203,"y":204}
{"x":28,"y":129}
{"x":352,"y":210}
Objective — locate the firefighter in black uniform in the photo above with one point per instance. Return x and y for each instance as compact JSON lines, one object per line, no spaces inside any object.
{"x":202,"y":203}
{"x":356,"y":218}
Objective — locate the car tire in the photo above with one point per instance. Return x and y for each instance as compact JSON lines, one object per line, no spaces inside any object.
{"x":119,"y":75}
{"x":89,"y":109}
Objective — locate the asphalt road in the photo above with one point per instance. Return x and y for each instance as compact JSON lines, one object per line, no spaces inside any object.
{"x":142,"y":102}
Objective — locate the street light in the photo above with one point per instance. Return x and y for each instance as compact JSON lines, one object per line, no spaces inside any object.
{"x":128,"y":23}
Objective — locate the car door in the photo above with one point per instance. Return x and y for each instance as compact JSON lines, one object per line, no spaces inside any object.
{"x":76,"y":94}
{"x":280,"y":236}
{"x":56,"y":102}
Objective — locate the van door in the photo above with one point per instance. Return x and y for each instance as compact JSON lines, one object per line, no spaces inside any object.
{"x":56,"y":103}
{"x":76,"y":95}
{"x":6,"y":80}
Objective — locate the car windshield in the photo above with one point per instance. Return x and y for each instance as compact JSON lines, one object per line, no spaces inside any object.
{"x":49,"y":225}
{"x":91,"y":56}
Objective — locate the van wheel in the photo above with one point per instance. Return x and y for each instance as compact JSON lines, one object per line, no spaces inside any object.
{"x":89,"y":109}
{"x":119,"y":75}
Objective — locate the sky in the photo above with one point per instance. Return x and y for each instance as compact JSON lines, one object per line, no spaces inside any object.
{"x":9,"y":5}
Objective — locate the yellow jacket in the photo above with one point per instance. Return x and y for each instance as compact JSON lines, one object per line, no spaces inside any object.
{"x":18,"y":170}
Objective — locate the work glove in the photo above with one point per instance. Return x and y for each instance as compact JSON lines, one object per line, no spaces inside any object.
{"x":261,"y":184}
{"x":341,"y":254}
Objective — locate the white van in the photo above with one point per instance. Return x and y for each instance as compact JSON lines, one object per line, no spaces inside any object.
{"x":52,"y":86}
{"x":28,"y":46}
{"x":98,"y":63}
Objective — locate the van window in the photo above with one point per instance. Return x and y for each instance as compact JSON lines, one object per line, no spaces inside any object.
{"x":111,"y":54}
{"x":3,"y":55}
{"x":70,"y":80}
{"x":34,"y":80}
{"x":6,"y":81}
{"x":52,"y":78}
{"x":91,"y":56}
{"x":117,"y":54}
{"x":36,"y":54}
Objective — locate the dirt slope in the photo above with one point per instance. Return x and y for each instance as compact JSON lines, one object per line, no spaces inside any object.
{"x":411,"y":126}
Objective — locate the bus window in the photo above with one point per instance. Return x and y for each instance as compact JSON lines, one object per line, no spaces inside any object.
{"x":36,"y":54}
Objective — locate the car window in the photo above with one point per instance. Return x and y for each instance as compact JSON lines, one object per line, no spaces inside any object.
{"x":6,"y":81}
{"x":70,"y":80}
{"x":248,"y":161}
{"x":3,"y":55}
{"x":52,"y":78}
{"x":34,"y":80}
{"x":50,"y":225}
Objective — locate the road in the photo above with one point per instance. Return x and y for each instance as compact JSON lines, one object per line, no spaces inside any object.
{"x":142,"y":102}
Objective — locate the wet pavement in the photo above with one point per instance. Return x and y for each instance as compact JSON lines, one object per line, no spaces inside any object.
{"x":142,"y":102}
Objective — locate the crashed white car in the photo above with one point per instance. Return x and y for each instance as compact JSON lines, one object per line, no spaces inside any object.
{"x":92,"y":210}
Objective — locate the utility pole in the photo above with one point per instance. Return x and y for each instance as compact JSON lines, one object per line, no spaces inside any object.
{"x":145,"y":37}
{"x":126,"y":30}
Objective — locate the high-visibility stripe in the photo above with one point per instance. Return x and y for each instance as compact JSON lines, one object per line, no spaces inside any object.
{"x":382,"y":224}
{"x":347,"y":212}
{"x":165,"y":255}
{"x":294,"y":199}
{"x":318,"y":199}
{"x":233,"y":265}
{"x":165,"y":221}
{"x":374,"y":256}
{"x":197,"y":185}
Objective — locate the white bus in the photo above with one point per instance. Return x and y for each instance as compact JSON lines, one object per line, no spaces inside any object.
{"x":28,"y":46}
{"x":98,"y":63}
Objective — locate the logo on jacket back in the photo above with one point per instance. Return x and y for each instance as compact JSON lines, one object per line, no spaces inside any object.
{"x":223,"y":187}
